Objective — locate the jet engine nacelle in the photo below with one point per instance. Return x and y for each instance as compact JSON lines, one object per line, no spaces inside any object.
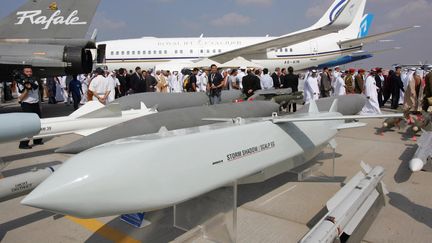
{"x":78,"y":60}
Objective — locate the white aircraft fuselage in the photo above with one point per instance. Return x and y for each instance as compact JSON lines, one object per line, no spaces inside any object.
{"x":151,"y":52}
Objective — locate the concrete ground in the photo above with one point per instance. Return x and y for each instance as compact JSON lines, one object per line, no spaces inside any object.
{"x":279,"y":210}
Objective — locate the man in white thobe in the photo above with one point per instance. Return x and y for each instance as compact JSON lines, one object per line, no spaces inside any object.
{"x":311,"y":88}
{"x":266,"y":80}
{"x":339,"y":85}
{"x":113,"y":83}
{"x":100,"y":87}
{"x":372,"y":106}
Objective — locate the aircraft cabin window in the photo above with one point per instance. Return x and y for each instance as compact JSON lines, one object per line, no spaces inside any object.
{"x":128,"y":53}
{"x":112,"y":53}
{"x":154,"y":52}
{"x":286,"y":49}
{"x":181,"y":51}
{"x":160,"y":52}
{"x":208,"y":51}
{"x":291,"y":50}
{"x":214,"y":51}
{"x":191,"y":51}
{"x":117,"y":53}
{"x":220,"y":50}
{"x":165,"y":52}
{"x":133,"y":52}
{"x":139,"y":52}
{"x":176,"y":52}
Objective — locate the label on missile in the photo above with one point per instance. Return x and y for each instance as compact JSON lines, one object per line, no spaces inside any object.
{"x":250,"y":151}
{"x":24,"y":186}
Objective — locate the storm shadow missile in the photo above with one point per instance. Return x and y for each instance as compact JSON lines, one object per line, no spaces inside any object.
{"x":171,"y":120}
{"x":171,"y":101}
{"x":16,"y":186}
{"x":15,"y":126}
{"x":155,"y":171}
{"x":348,"y":207}
{"x":423,"y":153}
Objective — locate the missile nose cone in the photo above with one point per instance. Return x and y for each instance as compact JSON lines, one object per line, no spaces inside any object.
{"x":416,"y":165}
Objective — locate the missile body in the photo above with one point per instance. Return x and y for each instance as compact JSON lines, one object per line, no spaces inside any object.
{"x":171,"y":120}
{"x":171,"y":101}
{"x":423,"y":152}
{"x":155,"y":171}
{"x":347,"y":104}
{"x":85,"y":126}
{"x":347,"y":213}
{"x":15,"y":186}
{"x":14,"y":126}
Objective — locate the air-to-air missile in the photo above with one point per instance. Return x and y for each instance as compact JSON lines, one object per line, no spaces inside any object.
{"x":15,"y":186}
{"x":144,"y":173}
{"x":192,"y":117}
{"x":423,"y":153}
{"x":14,"y":126}
{"x":349,"y":207}
{"x":90,"y":118}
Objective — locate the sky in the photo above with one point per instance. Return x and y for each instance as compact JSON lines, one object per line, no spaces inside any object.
{"x":191,"y":18}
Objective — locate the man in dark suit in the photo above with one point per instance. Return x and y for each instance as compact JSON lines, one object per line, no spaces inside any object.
{"x":379,"y":80}
{"x":137,"y":82}
{"x":277,"y":78}
{"x":251,"y":83}
{"x":292,"y":81}
{"x":151,"y":81}
{"x":325,"y":86}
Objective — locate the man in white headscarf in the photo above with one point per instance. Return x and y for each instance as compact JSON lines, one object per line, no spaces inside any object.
{"x":339,"y":85}
{"x":372,"y":106}
{"x":311,"y":88}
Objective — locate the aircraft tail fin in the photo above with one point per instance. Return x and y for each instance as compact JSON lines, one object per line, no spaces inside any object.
{"x":365,"y":25}
{"x":336,"y":9}
{"x":88,"y":108}
{"x":334,"y":107}
{"x":41,"y":19}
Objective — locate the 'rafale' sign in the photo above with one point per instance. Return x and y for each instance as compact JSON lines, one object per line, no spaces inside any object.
{"x":35,"y":18}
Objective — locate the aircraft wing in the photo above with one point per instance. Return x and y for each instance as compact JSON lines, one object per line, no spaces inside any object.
{"x":343,"y":20}
{"x":373,"y":38}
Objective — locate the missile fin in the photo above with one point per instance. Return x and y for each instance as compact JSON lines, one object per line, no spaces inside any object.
{"x":334,"y":107}
{"x":313,"y":108}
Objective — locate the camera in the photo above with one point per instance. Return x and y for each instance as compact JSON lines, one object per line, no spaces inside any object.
{"x":20,"y":78}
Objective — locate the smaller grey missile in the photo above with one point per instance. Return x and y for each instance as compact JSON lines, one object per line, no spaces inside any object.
{"x":14,"y":126}
{"x":15,"y":186}
{"x":347,"y":208}
{"x":423,"y":152}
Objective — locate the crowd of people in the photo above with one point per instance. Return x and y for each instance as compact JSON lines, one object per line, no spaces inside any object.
{"x":409,"y":88}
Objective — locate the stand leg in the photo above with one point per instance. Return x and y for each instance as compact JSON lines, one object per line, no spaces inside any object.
{"x":234,"y":237}
{"x":334,"y":162}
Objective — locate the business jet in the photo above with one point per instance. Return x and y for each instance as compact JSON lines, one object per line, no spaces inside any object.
{"x":337,"y":38}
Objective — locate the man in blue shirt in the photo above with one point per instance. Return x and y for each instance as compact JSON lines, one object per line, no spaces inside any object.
{"x":75,"y":88}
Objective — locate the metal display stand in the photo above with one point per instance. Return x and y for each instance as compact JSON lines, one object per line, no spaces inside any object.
{"x":212,"y":216}
{"x":136,"y":220}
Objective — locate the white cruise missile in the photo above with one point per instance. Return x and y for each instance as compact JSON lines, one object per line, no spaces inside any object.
{"x":348,"y":207}
{"x":423,"y":153}
{"x":90,"y":118}
{"x":14,"y":126}
{"x":145,"y":173}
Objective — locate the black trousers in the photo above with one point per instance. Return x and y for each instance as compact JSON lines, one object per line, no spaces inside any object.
{"x":380,"y":98}
{"x":76,"y":100}
{"x":30,"y":108}
{"x":395,"y":100}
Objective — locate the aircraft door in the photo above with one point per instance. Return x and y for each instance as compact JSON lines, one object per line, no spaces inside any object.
{"x":314,"y":49}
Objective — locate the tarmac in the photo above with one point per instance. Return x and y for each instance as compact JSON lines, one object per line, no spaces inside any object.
{"x":281,"y":209}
